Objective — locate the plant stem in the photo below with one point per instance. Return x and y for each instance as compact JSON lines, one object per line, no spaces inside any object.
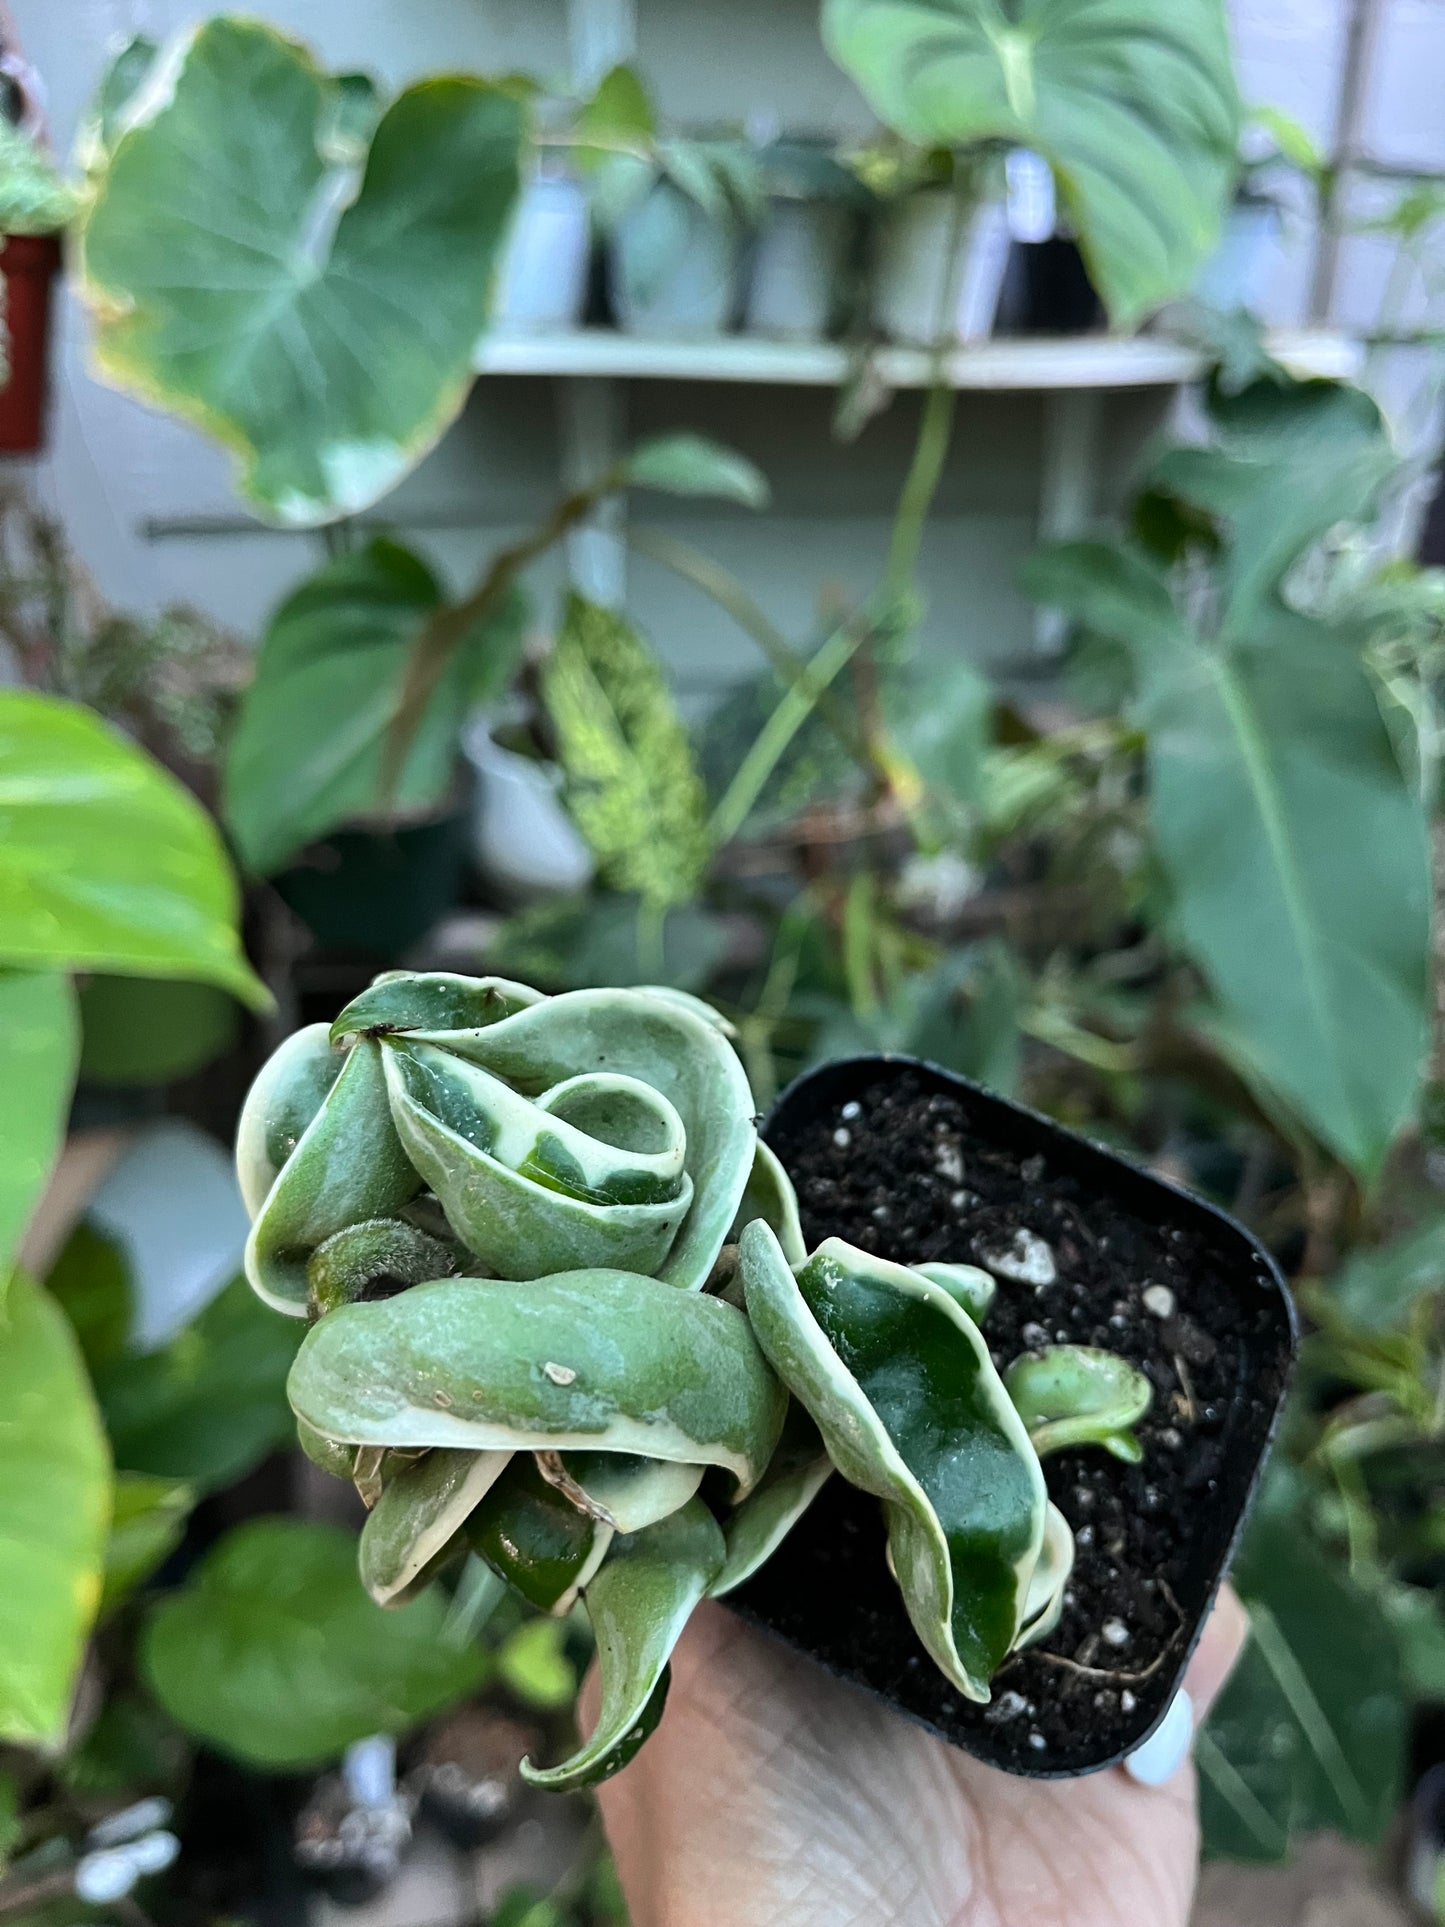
{"x":935,"y":431}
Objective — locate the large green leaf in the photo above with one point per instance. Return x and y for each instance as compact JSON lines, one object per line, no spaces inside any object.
{"x":54,"y":1511}
{"x":638,"y":1604}
{"x":211,"y":1403}
{"x":1309,"y":1734}
{"x":274,"y":1653}
{"x":1133,"y":103}
{"x":147,"y":1521}
{"x":39,"y":1049}
{"x":309,"y":746}
{"x":106,"y":862}
{"x":1294,"y":845}
{"x":588,"y":1359}
{"x":899,"y":1382}
{"x":1378,"y":1285}
{"x":328,"y":359}
{"x":632,"y":782}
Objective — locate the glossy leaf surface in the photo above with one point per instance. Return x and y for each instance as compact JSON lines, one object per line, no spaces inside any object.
{"x":419,"y":1512}
{"x":39,"y":1050}
{"x":900,"y":1383}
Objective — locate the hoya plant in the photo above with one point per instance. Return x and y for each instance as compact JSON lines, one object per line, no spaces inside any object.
{"x":562,"y":1316}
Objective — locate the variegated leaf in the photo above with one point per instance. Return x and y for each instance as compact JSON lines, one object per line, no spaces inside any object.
{"x":418,"y":1514}
{"x":633,"y":1492}
{"x":966,"y":1285}
{"x":900,"y":1383}
{"x":769,"y":1195}
{"x":796,"y":1474}
{"x":1079,"y":1395}
{"x":533,"y":1536}
{"x":1045,"y":1601}
{"x":639,"y":1603}
{"x":316,"y":1153}
{"x":589,"y":1359}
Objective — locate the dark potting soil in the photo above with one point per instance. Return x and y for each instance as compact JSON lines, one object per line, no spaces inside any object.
{"x":901,"y":1171}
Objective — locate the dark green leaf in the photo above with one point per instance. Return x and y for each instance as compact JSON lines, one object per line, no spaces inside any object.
{"x":274,"y":1653}
{"x":137,"y":1030}
{"x":585,"y":943}
{"x":90,"y":1280}
{"x":209,"y":1405}
{"x":1378,"y":1286}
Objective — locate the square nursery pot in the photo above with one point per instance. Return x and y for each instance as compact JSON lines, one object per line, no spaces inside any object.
{"x":916,"y":1164}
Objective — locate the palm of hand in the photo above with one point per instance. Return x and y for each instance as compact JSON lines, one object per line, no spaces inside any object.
{"x":774,"y":1796}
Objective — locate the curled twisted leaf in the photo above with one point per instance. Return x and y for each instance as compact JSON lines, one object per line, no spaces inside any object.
{"x":900,"y":1383}
{"x":607,"y":1360}
{"x":317,"y":1153}
{"x":419,"y":1513}
{"x":966,"y":1285}
{"x":769,"y":1195}
{"x":638,"y":1604}
{"x":1078,"y":1395}
{"x":1045,"y":1601}
{"x":632,"y":1492}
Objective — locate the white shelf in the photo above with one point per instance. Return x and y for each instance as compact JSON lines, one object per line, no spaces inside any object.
{"x":1036,"y":363}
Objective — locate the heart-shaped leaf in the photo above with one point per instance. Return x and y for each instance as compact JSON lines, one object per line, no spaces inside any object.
{"x":599,"y":1359}
{"x":106,"y":862}
{"x":329,"y":359}
{"x":900,"y":1383}
{"x":1133,"y":104}
{"x":273,"y":1652}
{"x":54,"y":1511}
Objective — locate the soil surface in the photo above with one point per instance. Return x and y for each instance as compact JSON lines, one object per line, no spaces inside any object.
{"x":912,"y":1169}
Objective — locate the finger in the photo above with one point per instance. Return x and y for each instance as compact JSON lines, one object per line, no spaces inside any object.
{"x":1167,"y":1747}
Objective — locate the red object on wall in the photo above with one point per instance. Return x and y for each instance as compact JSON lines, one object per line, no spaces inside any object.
{"x":29,"y":264}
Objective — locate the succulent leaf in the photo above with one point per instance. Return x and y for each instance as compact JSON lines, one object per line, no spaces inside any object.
{"x":769,"y":1195}
{"x":1045,"y":1601}
{"x":429,"y":1003}
{"x":900,"y":1383}
{"x":597,"y":1359}
{"x":639,"y":1603}
{"x":633,"y":1492}
{"x":377,"y":1257}
{"x":966,"y":1285}
{"x":346,"y":1166}
{"x":418,"y":1514}
{"x":536,"y":1539}
{"x":1078,"y":1395}
{"x":796,"y":1474}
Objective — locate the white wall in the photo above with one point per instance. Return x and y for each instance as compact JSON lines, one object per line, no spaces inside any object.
{"x":150,"y":507}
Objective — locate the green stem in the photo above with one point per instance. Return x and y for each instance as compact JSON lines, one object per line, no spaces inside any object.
{"x":771,"y":743}
{"x":651,"y":931}
{"x":935,"y":431}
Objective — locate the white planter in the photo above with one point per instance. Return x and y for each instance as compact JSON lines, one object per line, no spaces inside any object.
{"x":542,"y":281}
{"x":673,"y":270}
{"x":929,"y":289}
{"x":797,"y":269}
{"x":1237,"y":274}
{"x":525,"y":844}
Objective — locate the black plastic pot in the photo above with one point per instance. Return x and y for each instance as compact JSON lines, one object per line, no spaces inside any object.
{"x":828,"y":1592}
{"x":374,"y":893}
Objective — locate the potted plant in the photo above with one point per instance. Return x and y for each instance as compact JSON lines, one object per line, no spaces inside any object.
{"x":801,"y":254}
{"x":941,"y":245}
{"x":35,"y":207}
{"x":564,"y":1314}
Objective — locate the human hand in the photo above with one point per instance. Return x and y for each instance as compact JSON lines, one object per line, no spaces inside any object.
{"x":773,"y":1795}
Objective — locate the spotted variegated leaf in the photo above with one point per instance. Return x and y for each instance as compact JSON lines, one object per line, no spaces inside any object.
{"x":638,"y":1603}
{"x":900,"y":1383}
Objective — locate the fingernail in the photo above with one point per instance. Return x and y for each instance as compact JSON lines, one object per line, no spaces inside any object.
{"x":1167,"y":1747}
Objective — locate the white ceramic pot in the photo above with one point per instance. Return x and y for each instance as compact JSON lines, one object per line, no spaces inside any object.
{"x":525,"y":844}
{"x":542,"y":281}
{"x":929,"y":287}
{"x":673,"y":269}
{"x":1237,"y":274}
{"x":797,"y":269}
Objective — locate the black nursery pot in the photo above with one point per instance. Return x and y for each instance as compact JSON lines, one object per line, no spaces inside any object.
{"x":916,"y":1164}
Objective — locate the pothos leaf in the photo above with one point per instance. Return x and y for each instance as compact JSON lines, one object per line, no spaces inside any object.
{"x":601,"y":1359}
{"x":39,"y":1049}
{"x":900,"y":1383}
{"x":632,"y":782}
{"x":638,"y":1604}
